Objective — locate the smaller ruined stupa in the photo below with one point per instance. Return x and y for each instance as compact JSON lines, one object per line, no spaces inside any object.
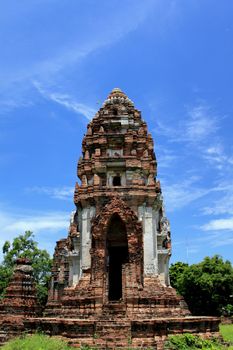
{"x":20,"y":297}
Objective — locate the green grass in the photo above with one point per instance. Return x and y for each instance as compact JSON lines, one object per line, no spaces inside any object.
{"x":36,"y":342}
{"x":226,"y":331}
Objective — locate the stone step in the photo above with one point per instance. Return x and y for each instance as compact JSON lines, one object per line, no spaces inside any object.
{"x":113,"y":333}
{"x":113,"y":323}
{"x":115,"y":312}
{"x":112,"y":318}
{"x":143,"y":344}
{"x":113,"y":330}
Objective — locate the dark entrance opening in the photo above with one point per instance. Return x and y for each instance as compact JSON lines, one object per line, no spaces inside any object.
{"x":118,"y":255}
{"x":116,"y":181}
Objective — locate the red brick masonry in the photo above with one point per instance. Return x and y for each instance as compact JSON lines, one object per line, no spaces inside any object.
{"x":118,"y":193}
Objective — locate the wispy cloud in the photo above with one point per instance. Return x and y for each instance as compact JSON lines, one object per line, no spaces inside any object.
{"x":199,"y":131}
{"x":179,"y":195}
{"x":108,"y":33}
{"x":47,"y":227}
{"x":58,"y":52}
{"x":224,"y":203}
{"x":166,"y":157}
{"x":199,"y":123}
{"x":63,"y":193}
{"x":9,"y":104}
{"x":212,"y":238}
{"x":66,"y":100}
{"x":218,"y":233}
{"x":219,"y":224}
{"x":36,"y":222}
{"x":217,"y":157}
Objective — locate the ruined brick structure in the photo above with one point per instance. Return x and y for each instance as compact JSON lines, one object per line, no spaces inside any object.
{"x":20,"y":301}
{"x":20,"y":297}
{"x":119,"y":245}
{"x":110,"y":283}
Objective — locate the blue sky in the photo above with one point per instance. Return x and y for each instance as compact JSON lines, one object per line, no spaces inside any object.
{"x":60,"y":59}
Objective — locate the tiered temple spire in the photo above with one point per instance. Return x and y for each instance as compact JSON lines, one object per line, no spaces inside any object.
{"x":110,"y":281}
{"x":119,"y":236}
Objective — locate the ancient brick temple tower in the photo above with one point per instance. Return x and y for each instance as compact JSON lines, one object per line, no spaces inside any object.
{"x":118,"y":248}
{"x":110,"y":283}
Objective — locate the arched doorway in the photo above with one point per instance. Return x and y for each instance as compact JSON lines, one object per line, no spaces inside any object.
{"x":117,"y":247}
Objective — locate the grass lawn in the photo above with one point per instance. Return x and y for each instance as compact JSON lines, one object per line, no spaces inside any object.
{"x":227,"y":332}
{"x":36,"y":342}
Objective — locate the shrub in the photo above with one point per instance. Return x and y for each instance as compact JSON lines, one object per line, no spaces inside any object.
{"x":191,"y":342}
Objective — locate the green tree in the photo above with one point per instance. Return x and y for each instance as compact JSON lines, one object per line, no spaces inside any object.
{"x":175,"y":271}
{"x":207,"y":287}
{"x":25,"y":246}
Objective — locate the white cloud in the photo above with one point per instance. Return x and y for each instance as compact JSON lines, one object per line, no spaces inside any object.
{"x":9,"y":104}
{"x":199,"y":131}
{"x":214,"y":238}
{"x":223,"y":239}
{"x":47,"y":227}
{"x":165,"y":157}
{"x":221,"y":206}
{"x":199,"y":123}
{"x":70,"y":103}
{"x":64,"y":193}
{"x":224,"y":203}
{"x":179,"y":195}
{"x":219,"y":224}
{"x":67,"y":101}
{"x":165,"y":130}
{"x":58,"y":52}
{"x":36,"y":222}
{"x":217,"y":157}
{"x":106,"y":34}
